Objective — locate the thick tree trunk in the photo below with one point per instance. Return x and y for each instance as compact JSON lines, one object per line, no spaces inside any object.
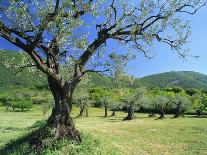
{"x":130,"y":115}
{"x":106,"y":111}
{"x":60,"y":118}
{"x":59,"y":125}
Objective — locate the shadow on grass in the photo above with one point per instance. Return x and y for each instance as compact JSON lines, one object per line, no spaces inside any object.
{"x":98,"y":116}
{"x":115,"y":120}
{"x":11,"y":129}
{"x":38,"y":124}
{"x":50,"y":145}
{"x":160,"y":118}
{"x":14,"y":145}
{"x":194,"y":116}
{"x":21,"y":142}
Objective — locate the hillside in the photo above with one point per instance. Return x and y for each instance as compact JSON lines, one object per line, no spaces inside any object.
{"x":33,"y":81}
{"x":9,"y":79}
{"x":184,"y":79}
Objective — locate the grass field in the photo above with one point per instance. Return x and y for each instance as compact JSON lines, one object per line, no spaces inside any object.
{"x":184,"y":136}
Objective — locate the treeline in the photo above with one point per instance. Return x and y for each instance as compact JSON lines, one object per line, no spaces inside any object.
{"x":160,"y":101}
{"x":156,"y":101}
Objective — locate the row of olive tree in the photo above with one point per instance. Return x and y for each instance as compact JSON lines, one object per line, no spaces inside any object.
{"x":156,"y":101}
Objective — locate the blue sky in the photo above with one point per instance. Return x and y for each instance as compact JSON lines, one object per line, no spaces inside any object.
{"x":165,"y":59}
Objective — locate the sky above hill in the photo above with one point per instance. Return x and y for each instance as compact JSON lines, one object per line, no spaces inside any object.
{"x":166,"y":60}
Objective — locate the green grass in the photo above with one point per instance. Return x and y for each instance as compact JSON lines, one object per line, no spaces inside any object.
{"x":143,"y":135}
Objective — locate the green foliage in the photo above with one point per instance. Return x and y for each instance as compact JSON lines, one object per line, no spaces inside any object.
{"x":21,"y":104}
{"x":25,"y":79}
{"x":182,"y":103}
{"x":135,"y":99}
{"x":192,"y":91}
{"x":199,"y":102}
{"x":184,"y":79}
{"x":97,"y":95}
{"x":17,"y":99}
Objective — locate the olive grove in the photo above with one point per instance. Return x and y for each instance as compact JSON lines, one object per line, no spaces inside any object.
{"x":63,"y":32}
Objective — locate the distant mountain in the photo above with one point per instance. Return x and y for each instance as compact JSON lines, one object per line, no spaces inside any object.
{"x":184,"y":79}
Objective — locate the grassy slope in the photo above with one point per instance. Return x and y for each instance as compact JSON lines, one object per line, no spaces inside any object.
{"x":141,"y":136}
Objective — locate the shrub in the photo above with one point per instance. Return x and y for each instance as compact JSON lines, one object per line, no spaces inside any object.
{"x":21,"y":104}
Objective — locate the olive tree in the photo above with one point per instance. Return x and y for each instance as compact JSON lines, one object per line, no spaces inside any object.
{"x":83,"y":101}
{"x":50,"y":32}
{"x":133,"y":102}
{"x":182,"y":103}
{"x":162,"y":102}
{"x":82,"y":96}
{"x":149,"y":105}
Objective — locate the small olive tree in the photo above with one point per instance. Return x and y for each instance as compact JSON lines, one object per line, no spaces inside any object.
{"x":133,"y":101}
{"x":162,"y":102}
{"x":182,"y":103}
{"x":82,"y":99}
{"x":81,"y":95}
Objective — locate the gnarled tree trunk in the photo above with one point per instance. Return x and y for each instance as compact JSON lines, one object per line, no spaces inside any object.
{"x":162,"y":114}
{"x":151,"y":113}
{"x":113,"y":113}
{"x":105,"y":110}
{"x":178,"y":112}
{"x":130,"y":115}
{"x":60,"y":118}
{"x":60,"y":124}
{"x":86,"y":109}
{"x":81,"y":110}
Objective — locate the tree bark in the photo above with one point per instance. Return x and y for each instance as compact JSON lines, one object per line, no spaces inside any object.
{"x":178,"y":112}
{"x":59,"y":125}
{"x":130,"y":115}
{"x":106,"y":110}
{"x":162,"y":114}
{"x":113,"y":113}
{"x":151,"y":113}
{"x":60,"y":119}
{"x":81,"y":111}
{"x":86,"y":109}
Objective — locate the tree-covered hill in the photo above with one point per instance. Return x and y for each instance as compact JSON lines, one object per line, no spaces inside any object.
{"x":9,"y":79}
{"x":184,"y":79}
